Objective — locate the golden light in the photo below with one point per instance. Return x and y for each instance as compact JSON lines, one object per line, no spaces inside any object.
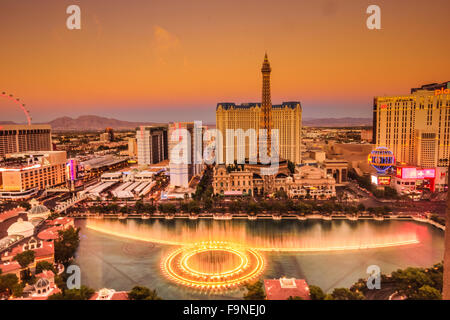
{"x":240,"y":265}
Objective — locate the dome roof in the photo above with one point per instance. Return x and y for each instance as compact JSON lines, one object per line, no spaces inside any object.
{"x":42,"y":283}
{"x":105,"y":294}
{"x":39,"y":209}
{"x":21,"y":228}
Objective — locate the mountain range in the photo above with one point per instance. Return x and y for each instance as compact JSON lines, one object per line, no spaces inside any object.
{"x":90,"y":122}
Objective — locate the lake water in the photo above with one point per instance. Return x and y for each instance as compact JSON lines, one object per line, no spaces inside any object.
{"x":120,"y":254}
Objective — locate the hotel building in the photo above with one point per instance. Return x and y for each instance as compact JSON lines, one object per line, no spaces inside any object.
{"x":287,"y":118}
{"x":415,"y":127}
{"x":151,"y":144}
{"x":183,"y":167}
{"x":23,"y":174}
{"x":306,"y":182}
{"x":20,"y":138}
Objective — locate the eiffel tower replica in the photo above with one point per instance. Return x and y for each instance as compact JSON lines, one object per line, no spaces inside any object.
{"x":268,"y":172}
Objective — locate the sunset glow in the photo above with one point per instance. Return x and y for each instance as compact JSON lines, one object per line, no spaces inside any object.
{"x":156,"y":57}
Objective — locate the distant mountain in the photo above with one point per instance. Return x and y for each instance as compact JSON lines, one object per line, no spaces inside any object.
{"x":90,"y":122}
{"x":93,"y":123}
{"x":337,"y":122}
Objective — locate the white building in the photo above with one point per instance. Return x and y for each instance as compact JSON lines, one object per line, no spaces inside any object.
{"x":21,"y":228}
{"x":151,"y":144}
{"x":183,"y":167}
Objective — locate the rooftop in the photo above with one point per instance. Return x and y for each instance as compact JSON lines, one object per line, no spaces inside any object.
{"x":283,"y":288}
{"x":249,"y":105}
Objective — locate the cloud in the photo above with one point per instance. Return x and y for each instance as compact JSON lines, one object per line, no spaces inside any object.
{"x":164,"y":40}
{"x":166,"y":46}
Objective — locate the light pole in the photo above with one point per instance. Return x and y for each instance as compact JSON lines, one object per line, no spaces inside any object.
{"x":446,"y":284}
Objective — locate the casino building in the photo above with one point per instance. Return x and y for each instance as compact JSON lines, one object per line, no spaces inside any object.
{"x":415,"y":127}
{"x":19,"y":138}
{"x":286,"y":117}
{"x":23,"y":174}
{"x":306,"y":182}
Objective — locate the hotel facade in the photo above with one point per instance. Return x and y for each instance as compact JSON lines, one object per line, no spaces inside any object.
{"x":286,"y":118}
{"x":23,"y":174}
{"x":415,"y":127}
{"x":307,"y":182}
{"x":183,"y":167}
{"x":152,"y":144}
{"x":20,"y":138}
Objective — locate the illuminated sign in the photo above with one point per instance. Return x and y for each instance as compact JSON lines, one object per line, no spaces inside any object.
{"x":374,"y":179}
{"x":426,"y":173}
{"x":384,"y":106}
{"x":71,"y":170}
{"x":381,"y":180}
{"x":20,"y":169}
{"x":414,"y":173}
{"x":384,"y":181}
{"x":438,"y":92}
{"x":409,"y":173}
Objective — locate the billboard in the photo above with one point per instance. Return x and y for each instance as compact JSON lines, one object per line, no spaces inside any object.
{"x":384,"y":180}
{"x":374,"y":179}
{"x":414,"y":173}
{"x":71,"y":170}
{"x":381,"y":180}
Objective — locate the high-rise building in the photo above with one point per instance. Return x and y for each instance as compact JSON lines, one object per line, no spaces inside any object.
{"x":415,"y":127}
{"x":132,"y":147}
{"x":20,"y":138}
{"x":23,"y":174}
{"x":152,"y":144}
{"x":183,"y":167}
{"x":107,"y":136}
{"x":287,"y":118}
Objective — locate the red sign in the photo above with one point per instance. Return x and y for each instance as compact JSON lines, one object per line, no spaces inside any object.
{"x":384,"y":180}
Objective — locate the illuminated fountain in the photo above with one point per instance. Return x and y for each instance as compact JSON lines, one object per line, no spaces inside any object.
{"x":213,"y":266}
{"x":292,"y":240}
{"x":220,"y":255}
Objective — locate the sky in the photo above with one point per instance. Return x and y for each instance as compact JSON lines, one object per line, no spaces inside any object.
{"x":172,"y":60}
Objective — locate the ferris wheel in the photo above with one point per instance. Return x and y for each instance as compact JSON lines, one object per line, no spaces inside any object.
{"x":18,"y":103}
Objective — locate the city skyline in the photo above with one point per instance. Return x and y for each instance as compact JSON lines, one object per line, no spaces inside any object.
{"x":158,"y":62}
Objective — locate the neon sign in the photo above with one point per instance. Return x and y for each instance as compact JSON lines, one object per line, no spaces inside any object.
{"x":414,"y":173}
{"x":440,"y":91}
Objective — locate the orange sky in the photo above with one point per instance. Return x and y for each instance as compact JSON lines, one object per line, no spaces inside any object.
{"x":163,"y":60}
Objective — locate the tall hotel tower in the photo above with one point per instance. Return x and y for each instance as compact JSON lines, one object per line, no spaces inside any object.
{"x":287,"y":118}
{"x":20,"y":138}
{"x":415,"y":127}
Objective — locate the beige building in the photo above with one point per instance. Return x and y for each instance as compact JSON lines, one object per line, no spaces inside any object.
{"x":152,"y":144}
{"x":21,"y":174}
{"x":20,"y":138}
{"x":307,"y":182}
{"x":286,"y":118}
{"x":132,"y":147}
{"x":415,"y":127}
{"x":338,"y":169}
